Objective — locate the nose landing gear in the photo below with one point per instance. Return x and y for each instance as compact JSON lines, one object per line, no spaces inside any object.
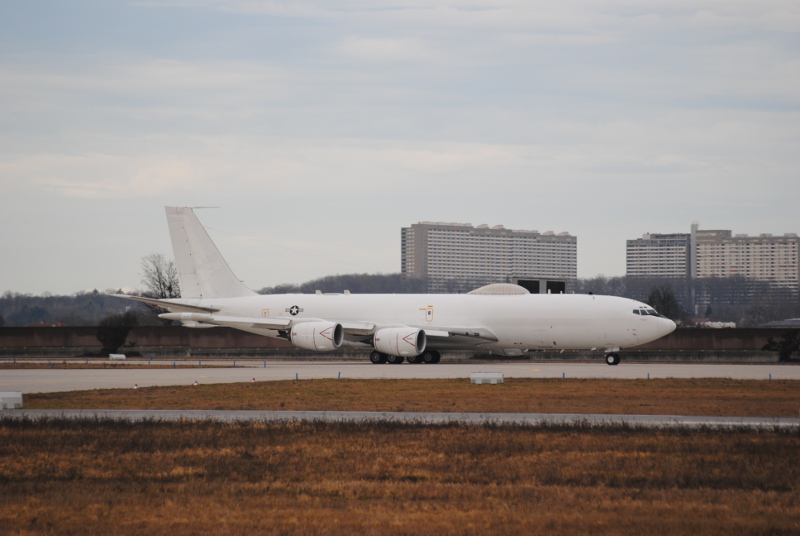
{"x":612,"y":359}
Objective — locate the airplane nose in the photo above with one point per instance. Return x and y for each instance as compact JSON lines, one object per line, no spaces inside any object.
{"x":668,"y":326}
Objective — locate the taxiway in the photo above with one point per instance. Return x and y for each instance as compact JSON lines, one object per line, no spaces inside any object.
{"x":59,"y":379}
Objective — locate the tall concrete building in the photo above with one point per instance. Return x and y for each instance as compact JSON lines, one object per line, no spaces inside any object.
{"x":659,"y":255}
{"x":774,"y":259}
{"x":447,"y":252}
{"x":717,"y":253}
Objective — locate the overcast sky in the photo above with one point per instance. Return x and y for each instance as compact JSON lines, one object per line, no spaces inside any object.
{"x":320,"y":128}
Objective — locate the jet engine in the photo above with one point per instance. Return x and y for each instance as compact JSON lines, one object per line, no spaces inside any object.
{"x":317,"y":336}
{"x":400,"y":341}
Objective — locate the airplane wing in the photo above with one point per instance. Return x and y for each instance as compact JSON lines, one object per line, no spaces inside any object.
{"x":355,"y":330}
{"x":222,"y":320}
{"x":359,"y":329}
{"x":480,"y":335}
{"x":264,"y":323}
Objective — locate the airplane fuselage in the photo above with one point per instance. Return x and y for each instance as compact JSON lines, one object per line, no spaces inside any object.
{"x":525,"y":321}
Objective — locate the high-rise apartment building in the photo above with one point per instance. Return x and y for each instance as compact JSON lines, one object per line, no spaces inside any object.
{"x":443,"y":252}
{"x":717,"y":253}
{"x":659,"y":255}
{"x":774,"y":259}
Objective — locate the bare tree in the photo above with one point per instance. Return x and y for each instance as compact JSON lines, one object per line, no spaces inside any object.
{"x":160,"y":277}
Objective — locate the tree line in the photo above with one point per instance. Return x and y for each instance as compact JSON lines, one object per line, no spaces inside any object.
{"x":746,"y":302}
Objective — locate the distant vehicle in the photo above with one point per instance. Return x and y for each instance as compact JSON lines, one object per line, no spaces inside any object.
{"x":502,"y":318}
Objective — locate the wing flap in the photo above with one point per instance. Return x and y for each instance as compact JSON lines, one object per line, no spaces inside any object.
{"x":479,"y":334}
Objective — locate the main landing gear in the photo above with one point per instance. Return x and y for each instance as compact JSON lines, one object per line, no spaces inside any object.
{"x":429,"y":356}
{"x":612,"y":359}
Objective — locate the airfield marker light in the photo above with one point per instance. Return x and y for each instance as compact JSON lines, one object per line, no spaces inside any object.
{"x":174,"y":364}
{"x":135,"y":385}
{"x":648,"y":375}
{"x":199,"y":362}
{"x":234,"y":363}
{"x":563,"y":375}
{"x":196,"y":383}
{"x":340,"y":375}
{"x":296,"y":376}
{"x":254,"y":380}
{"x":52,"y":364}
{"x":770,"y":375}
{"x":87,"y":360}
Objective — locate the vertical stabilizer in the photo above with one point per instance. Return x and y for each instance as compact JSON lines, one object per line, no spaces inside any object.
{"x":202,"y":271}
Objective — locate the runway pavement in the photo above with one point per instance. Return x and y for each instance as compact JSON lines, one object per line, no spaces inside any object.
{"x":58,"y":380}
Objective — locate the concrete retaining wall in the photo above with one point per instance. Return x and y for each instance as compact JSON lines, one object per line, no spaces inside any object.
{"x":704,"y":339}
{"x":175,"y":341}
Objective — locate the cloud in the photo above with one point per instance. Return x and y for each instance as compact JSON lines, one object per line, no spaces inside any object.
{"x":315,"y":117}
{"x":98,"y":176}
{"x":388,"y":49}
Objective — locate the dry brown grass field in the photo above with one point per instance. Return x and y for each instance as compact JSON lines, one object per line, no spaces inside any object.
{"x":718,"y":397}
{"x":108,"y":477}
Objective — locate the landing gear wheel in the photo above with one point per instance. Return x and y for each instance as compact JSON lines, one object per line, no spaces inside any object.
{"x":415,"y":359}
{"x":377,"y":358}
{"x":431,"y":357}
{"x":612,"y":359}
{"x":395,"y":359}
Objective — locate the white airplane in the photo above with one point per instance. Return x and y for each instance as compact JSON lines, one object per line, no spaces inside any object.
{"x":501,"y":318}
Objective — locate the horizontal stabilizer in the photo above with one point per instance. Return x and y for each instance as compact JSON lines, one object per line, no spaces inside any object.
{"x":167,"y":304}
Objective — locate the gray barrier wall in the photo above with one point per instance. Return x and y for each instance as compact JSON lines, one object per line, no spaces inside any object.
{"x":694,"y":343}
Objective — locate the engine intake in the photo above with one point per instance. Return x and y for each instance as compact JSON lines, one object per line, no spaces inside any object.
{"x":400,"y":341}
{"x":317,"y":336}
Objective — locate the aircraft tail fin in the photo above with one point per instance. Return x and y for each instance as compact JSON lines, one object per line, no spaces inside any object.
{"x":202,"y":271}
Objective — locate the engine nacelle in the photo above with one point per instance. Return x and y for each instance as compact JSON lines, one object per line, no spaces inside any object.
{"x":317,"y":336}
{"x":400,"y":341}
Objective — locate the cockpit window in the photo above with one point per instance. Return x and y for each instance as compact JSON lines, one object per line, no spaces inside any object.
{"x":645,"y":311}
